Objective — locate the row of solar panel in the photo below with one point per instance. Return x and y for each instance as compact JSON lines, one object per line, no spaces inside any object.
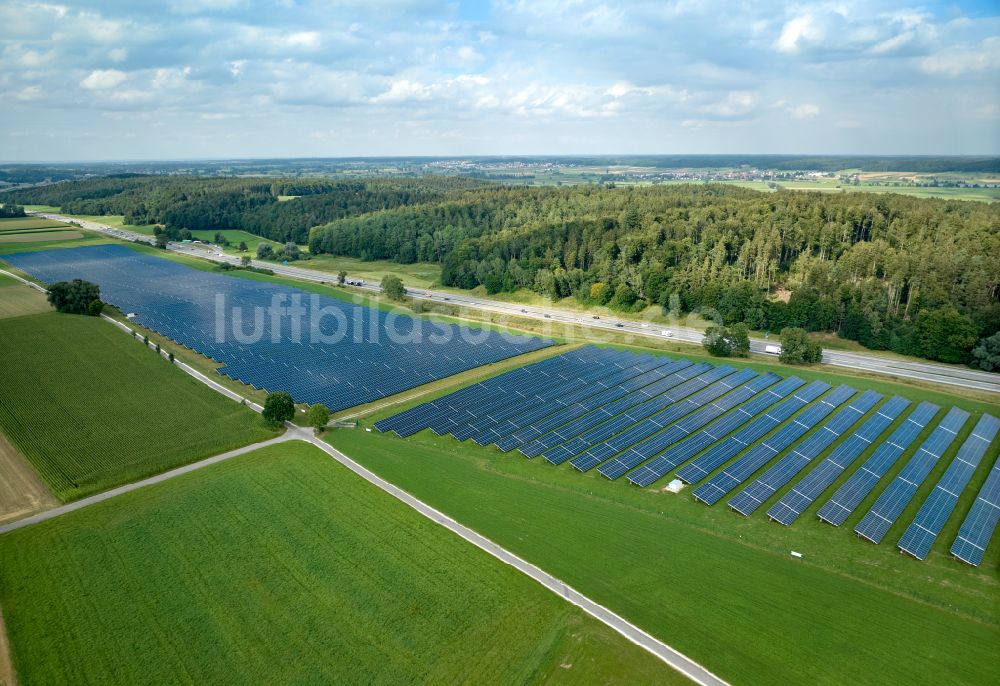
{"x":645,"y":417}
{"x":275,"y":337}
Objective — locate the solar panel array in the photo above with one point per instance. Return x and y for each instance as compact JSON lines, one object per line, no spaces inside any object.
{"x":937,"y":508}
{"x":861,"y":483}
{"x":274,"y":337}
{"x":755,"y":494}
{"x":977,"y":529}
{"x":731,"y":433}
{"x":898,"y":494}
{"x":716,"y":488}
{"x":802,"y":495}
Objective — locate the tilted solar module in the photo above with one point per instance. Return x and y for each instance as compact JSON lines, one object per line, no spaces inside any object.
{"x":708,"y":412}
{"x":481,"y":417}
{"x":645,"y":374}
{"x":925,"y":527}
{"x":754,"y":495}
{"x":601,"y":451}
{"x":420,"y":417}
{"x":812,"y":485}
{"x":441,"y":409}
{"x":897,"y":495}
{"x":513,"y":387}
{"x":977,"y":529}
{"x":715,"y":432}
{"x":576,"y":397}
{"x":277,"y":337}
{"x":680,"y":372}
{"x":619,"y":422}
{"x":860,"y":484}
{"x":713,"y":490}
{"x":725,"y":450}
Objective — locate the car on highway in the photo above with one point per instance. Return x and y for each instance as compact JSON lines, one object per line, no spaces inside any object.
{"x":666,"y":332}
{"x":619,"y":325}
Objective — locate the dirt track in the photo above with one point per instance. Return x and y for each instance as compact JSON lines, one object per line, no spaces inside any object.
{"x":22,"y":492}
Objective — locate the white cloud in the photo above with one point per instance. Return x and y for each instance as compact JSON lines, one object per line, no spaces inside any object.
{"x":103,"y":79}
{"x":796,"y":31}
{"x":957,"y":61}
{"x":806,"y":110}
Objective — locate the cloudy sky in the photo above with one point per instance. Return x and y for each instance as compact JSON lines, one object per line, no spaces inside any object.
{"x":142,"y":79}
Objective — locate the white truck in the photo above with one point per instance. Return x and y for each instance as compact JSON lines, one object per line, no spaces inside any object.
{"x":772,"y":349}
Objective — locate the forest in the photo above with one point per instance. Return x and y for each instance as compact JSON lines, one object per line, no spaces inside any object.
{"x":915,"y":276}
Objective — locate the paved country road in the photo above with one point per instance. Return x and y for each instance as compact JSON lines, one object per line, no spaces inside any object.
{"x":868,"y":362}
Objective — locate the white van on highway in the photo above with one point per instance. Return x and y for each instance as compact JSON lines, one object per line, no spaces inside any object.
{"x":772,"y":349}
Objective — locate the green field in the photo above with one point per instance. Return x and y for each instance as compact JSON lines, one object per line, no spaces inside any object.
{"x":718,"y":587}
{"x":28,"y":223}
{"x":283,"y":567}
{"x":91,"y":409}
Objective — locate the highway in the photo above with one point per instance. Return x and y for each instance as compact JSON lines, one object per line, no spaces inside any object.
{"x":590,"y":325}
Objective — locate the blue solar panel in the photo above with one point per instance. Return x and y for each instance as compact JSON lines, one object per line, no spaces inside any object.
{"x":897,"y":495}
{"x":925,"y":527}
{"x":601,"y":451}
{"x":709,"y":411}
{"x":644,"y":374}
{"x":647,"y":408}
{"x":725,"y":450}
{"x":648,"y":396}
{"x":715,"y":432}
{"x":977,"y":529}
{"x":571,"y":398}
{"x":861,"y":483}
{"x":275,"y":337}
{"x":812,"y":485}
{"x":713,"y":490}
{"x":753,"y":496}
{"x":439,"y":413}
{"x":483,"y":418}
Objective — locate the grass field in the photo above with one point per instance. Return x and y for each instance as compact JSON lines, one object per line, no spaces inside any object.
{"x":721,"y":588}
{"x":16,"y":299}
{"x":38,"y":236}
{"x":92,"y":409}
{"x":283,"y":567}
{"x":28,"y":223}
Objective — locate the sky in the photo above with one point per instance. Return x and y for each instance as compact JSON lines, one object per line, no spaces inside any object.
{"x":182,"y":79}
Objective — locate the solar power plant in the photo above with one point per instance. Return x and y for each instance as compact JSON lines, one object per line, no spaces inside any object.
{"x":602,"y":450}
{"x":456,"y":409}
{"x":897,"y":495}
{"x":725,"y":450}
{"x":977,"y":529}
{"x":275,"y":337}
{"x":481,"y":427}
{"x":925,"y":527}
{"x":812,"y":485}
{"x":645,"y":373}
{"x":463,"y":413}
{"x":580,"y":397}
{"x":861,"y":483}
{"x":713,"y":433}
{"x":657,"y":443}
{"x":753,"y":496}
{"x":675,"y":375}
{"x":644,"y":409}
{"x":713,"y":490}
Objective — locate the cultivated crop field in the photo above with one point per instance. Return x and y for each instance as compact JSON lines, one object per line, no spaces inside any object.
{"x":28,"y":223}
{"x":282,"y":567}
{"x":92,"y":409}
{"x":847,"y":612}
